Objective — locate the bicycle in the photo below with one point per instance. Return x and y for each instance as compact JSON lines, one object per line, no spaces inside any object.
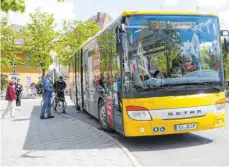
{"x":57,"y":104}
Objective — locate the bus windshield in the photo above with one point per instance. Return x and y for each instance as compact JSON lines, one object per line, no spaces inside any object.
{"x":172,"y":50}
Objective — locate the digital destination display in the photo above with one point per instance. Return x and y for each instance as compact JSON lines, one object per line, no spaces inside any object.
{"x":171,"y":24}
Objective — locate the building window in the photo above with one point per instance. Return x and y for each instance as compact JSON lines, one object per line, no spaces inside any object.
{"x":28,"y":81}
{"x":19,"y":41}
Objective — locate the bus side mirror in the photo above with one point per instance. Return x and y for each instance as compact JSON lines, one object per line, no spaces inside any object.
{"x":122,"y":28}
{"x":225,"y":35}
{"x":118,"y":39}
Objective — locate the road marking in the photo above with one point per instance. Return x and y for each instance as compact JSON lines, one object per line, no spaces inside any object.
{"x":132,"y":158}
{"x":223,"y":133}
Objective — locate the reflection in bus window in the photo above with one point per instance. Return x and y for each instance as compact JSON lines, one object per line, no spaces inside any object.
{"x":162,"y":50}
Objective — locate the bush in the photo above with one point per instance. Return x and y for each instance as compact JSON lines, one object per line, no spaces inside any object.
{"x":4,"y":81}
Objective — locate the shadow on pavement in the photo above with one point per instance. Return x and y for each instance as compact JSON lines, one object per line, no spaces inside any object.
{"x":62,"y":133}
{"x":153,"y":143}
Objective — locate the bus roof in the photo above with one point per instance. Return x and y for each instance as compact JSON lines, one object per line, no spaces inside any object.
{"x":162,"y":12}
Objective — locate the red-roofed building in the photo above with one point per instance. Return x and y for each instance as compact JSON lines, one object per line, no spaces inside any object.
{"x":102,"y":19}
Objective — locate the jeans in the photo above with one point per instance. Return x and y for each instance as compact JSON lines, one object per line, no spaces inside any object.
{"x":46,"y":106}
{"x":10,"y":107}
{"x":18,"y":101}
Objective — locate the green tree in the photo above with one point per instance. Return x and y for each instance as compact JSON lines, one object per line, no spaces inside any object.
{"x":39,"y":36}
{"x":4,"y":81}
{"x":15,"y":5}
{"x":72,"y":36}
{"x":8,"y":49}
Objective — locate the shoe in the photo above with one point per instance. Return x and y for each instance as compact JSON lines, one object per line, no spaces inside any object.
{"x":2,"y":117}
{"x":42,"y":117}
{"x":12,"y":116}
{"x":64,"y":112}
{"x":50,"y":117}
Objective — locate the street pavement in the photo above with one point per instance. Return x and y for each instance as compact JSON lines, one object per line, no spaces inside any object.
{"x":200,"y":148}
{"x":29,"y":141}
{"x":64,"y":140}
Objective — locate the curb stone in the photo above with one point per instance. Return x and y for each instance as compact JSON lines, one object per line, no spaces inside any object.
{"x":132,"y":158}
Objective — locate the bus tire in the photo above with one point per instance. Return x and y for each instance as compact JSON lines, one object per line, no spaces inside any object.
{"x":103,"y":117}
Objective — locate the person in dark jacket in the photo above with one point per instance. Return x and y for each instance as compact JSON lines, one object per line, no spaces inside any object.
{"x":59,"y":87}
{"x":18,"y":89}
{"x":10,"y":97}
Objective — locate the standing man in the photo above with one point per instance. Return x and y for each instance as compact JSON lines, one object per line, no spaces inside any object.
{"x":59,"y":87}
{"x":10,"y":97}
{"x":18,"y":89}
{"x":47,"y":95}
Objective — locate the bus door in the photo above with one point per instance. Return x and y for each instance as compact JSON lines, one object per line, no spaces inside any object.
{"x":117,"y":89}
{"x":86,"y":96}
{"x":80,"y":80}
{"x":76,"y":73}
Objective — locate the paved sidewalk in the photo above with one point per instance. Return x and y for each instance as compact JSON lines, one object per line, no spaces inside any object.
{"x":29,"y":141}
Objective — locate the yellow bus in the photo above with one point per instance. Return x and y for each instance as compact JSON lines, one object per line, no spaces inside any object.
{"x":152,"y":73}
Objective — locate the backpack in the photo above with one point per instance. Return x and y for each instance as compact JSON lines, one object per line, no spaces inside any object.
{"x":40,"y":88}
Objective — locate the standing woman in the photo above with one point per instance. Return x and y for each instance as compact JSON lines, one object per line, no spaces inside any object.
{"x":18,"y":89}
{"x":10,"y":97}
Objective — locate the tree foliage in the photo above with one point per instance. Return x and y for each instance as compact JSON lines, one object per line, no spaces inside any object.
{"x":39,"y":36}
{"x":71,"y":37}
{"x":13,"y":5}
{"x":8,"y":49}
{"x":4,"y":81}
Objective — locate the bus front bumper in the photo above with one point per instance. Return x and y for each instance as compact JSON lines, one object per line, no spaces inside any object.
{"x":162,"y":127}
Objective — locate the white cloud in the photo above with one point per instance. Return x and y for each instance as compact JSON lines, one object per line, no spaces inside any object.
{"x":221,"y":7}
{"x":216,"y":4}
{"x":170,"y":2}
{"x":61,"y":10}
{"x":224,"y":21}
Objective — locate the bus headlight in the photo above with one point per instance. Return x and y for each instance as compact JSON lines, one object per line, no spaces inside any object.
{"x":220,"y":108}
{"x":138,"y":113}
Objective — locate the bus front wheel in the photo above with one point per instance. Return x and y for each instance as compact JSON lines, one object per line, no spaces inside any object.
{"x":103,"y":117}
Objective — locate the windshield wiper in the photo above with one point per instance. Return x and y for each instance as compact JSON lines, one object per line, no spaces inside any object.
{"x":177,"y":86}
{"x":209,"y":85}
{"x":203,"y":83}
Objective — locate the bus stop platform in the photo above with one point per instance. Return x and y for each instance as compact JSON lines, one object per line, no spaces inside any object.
{"x":28,"y":141}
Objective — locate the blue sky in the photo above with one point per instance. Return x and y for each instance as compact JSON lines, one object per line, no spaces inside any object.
{"x":83,"y":9}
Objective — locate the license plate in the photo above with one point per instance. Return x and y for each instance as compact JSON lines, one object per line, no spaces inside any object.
{"x":185,"y":126}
